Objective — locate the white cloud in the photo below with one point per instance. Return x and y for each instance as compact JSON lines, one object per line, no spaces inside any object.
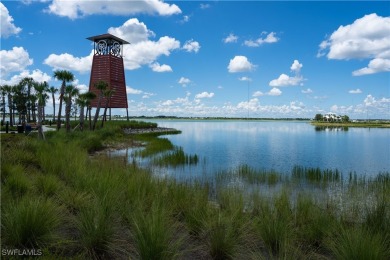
{"x":37,"y":75}
{"x":77,"y":9}
{"x":204,"y":95}
{"x":14,"y":60}
{"x":160,"y":68}
{"x":296,"y":66}
{"x":186,"y":18}
{"x":132,"y":31}
{"x":374,"y":66}
{"x":366,"y":38}
{"x":258,"y":94}
{"x":6,"y":22}
{"x":67,"y":61}
{"x":307,"y":91}
{"x":146,"y":52}
{"x":355,"y":91}
{"x":133,"y":91}
{"x":191,"y":46}
{"x":142,"y":50}
{"x":275,"y":92}
{"x":240,"y":64}
{"x":82,"y":88}
{"x":270,"y":38}
{"x":184,"y":81}
{"x":231,"y":38}
{"x":245,"y":79}
{"x":205,"y":6}
{"x":285,"y":80}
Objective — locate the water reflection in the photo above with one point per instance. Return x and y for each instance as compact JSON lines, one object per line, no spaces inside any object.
{"x":274,"y":145}
{"x":331,"y":128}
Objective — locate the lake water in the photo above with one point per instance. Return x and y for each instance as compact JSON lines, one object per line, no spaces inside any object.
{"x":278,"y":145}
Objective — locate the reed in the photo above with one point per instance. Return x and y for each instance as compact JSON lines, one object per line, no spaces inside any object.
{"x":154,"y":233}
{"x":358,"y":243}
{"x":175,"y":158}
{"x":30,"y":223}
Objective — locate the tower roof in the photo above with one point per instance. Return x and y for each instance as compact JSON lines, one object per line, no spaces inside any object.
{"x":105,"y":37}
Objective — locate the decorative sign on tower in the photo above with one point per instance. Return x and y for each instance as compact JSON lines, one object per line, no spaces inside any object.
{"x":107,"y":65}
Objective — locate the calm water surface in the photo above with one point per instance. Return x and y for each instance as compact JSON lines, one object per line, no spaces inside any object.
{"x":278,"y":145}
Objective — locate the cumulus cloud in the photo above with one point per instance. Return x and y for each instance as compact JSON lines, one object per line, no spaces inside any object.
{"x":258,"y":94}
{"x":67,"y":61}
{"x":160,"y":68}
{"x":184,"y":81}
{"x":77,"y":9}
{"x":7,"y":23}
{"x":240,"y":64}
{"x":37,"y":75}
{"x":286,"y":80}
{"x":366,"y":38}
{"x":191,"y":46}
{"x":14,"y":60}
{"x":132,"y":31}
{"x":355,"y":91}
{"x":307,"y":91}
{"x":296,"y":66}
{"x":231,"y":38}
{"x":133,"y":91}
{"x":204,"y":95}
{"x":275,"y":92}
{"x":374,"y":66}
{"x":270,"y":38}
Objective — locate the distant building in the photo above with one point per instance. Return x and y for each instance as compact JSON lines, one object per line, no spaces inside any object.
{"x":332,"y":117}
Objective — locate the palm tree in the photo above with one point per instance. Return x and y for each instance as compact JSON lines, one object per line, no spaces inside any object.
{"x":9,"y":91}
{"x":65,"y":76}
{"x":82,"y":101}
{"x":20,"y":100}
{"x":102,"y":86}
{"x":89,"y":96}
{"x":41,"y":89}
{"x":107,"y":94}
{"x":3,"y":94}
{"x":52,"y":91}
{"x":29,"y":82}
{"x":70,"y":92}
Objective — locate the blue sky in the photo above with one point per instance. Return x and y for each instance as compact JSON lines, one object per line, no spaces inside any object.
{"x":214,"y":58}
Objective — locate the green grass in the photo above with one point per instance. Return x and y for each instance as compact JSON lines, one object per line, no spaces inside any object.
{"x":30,"y":223}
{"x":58,"y":196}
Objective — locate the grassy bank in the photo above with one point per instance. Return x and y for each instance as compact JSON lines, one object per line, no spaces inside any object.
{"x":366,"y":124}
{"x":57,"y":198}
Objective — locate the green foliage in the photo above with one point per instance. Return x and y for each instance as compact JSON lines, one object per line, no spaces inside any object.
{"x":358,"y":243}
{"x":30,"y":223}
{"x":154,"y":233}
{"x":16,"y":181}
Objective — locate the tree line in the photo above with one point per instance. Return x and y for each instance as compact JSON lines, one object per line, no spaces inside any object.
{"x":28,"y":98}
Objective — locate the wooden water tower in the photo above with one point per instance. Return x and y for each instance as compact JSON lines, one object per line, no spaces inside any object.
{"x":107,"y":65}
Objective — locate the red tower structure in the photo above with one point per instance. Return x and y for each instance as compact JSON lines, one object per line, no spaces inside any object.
{"x":107,"y":65}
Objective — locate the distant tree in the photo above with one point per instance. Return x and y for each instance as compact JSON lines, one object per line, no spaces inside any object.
{"x":318,"y":117}
{"x":3,"y":94}
{"x":65,"y":76}
{"x":70,"y":92}
{"x":52,"y":91}
{"x":30,"y":105}
{"x":41,"y":93}
{"x":101,"y":86}
{"x":345,"y":118}
{"x":107,"y":94}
